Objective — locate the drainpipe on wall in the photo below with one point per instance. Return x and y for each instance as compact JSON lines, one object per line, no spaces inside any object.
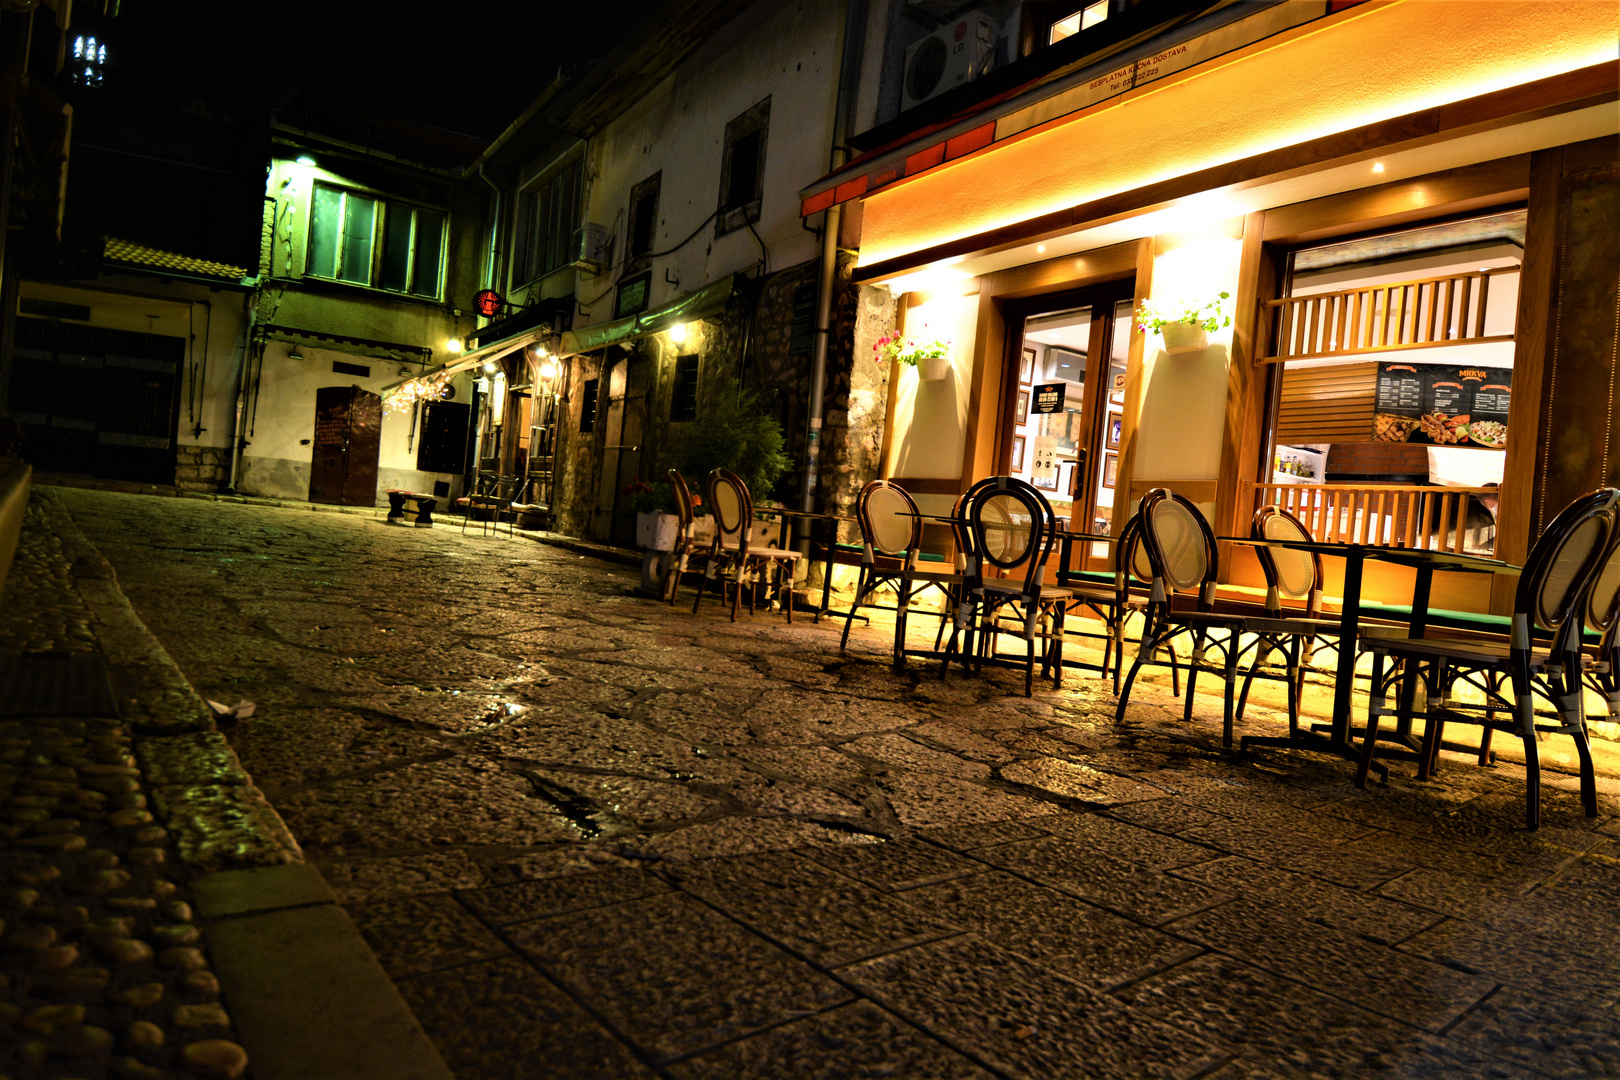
{"x":848,"y":75}
{"x":250,"y":312}
{"x":495,"y":223}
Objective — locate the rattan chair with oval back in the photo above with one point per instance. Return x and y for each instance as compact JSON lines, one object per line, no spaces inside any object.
{"x":1603,"y":618}
{"x":1009,"y":527}
{"x":1553,"y":588}
{"x":734,"y":551}
{"x":1133,"y":590}
{"x":1181,"y":549}
{"x":891,"y":542}
{"x":1291,"y":632}
{"x":681,"y":552}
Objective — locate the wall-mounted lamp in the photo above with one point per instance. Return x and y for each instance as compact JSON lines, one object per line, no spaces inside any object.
{"x":489,"y":366}
{"x":294,"y":356}
{"x":549,"y":368}
{"x":305,"y":159}
{"x":677,"y":333}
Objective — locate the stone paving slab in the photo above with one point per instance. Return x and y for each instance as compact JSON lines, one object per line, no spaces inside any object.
{"x":1022,"y":1019}
{"x":676,"y":973}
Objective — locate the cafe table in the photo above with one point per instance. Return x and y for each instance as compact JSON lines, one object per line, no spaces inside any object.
{"x":786,"y":518}
{"x":1426,"y":563}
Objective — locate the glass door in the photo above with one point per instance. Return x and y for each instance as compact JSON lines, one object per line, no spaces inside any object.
{"x":1067,"y":410}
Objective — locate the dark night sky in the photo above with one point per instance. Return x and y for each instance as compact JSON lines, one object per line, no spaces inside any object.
{"x":464,"y":67}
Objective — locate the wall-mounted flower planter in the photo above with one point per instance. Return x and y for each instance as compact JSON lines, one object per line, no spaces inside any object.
{"x":656,"y":531}
{"x":1182,"y":337}
{"x":933,"y":368}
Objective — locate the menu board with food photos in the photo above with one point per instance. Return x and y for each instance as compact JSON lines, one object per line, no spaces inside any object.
{"x":1443,"y":405}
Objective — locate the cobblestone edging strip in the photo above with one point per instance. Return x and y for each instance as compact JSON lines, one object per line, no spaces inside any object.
{"x":121,"y":834}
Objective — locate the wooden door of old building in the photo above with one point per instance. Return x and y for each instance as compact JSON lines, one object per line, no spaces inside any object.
{"x":348,"y":436}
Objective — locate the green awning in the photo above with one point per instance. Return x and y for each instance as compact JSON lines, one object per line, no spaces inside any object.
{"x":709,"y":300}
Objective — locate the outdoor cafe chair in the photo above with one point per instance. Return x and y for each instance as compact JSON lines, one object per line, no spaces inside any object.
{"x":891,"y":541}
{"x":493,"y":495}
{"x":1603,"y":618}
{"x":675,"y":565}
{"x":733,"y":550}
{"x":1106,"y":595}
{"x":1553,"y":587}
{"x":1181,"y":550}
{"x":1009,"y":526}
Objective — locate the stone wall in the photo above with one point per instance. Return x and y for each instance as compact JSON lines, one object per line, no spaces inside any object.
{"x":202,"y":468}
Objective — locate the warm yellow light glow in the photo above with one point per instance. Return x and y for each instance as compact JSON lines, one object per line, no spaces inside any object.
{"x":489,"y":366}
{"x":453,"y":345}
{"x":938,"y":277}
{"x":677,"y":334}
{"x":1040,"y":249}
{"x":1312,"y":87}
{"x":1378,"y":166}
{"x":548,"y":368}
{"x":306,"y":160}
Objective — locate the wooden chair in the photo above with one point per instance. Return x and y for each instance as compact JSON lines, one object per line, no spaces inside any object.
{"x":1603,"y":618}
{"x":675,"y":565}
{"x":891,"y":541}
{"x":733,"y":550}
{"x":494,"y":495}
{"x":1553,"y":588}
{"x":1181,"y":550}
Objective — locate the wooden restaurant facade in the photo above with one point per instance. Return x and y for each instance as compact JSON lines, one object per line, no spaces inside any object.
{"x":1412,"y":208}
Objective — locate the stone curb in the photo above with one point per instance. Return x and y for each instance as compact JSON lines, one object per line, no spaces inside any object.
{"x":620,"y":555}
{"x":309,"y":998}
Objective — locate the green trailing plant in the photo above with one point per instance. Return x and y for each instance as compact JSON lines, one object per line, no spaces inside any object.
{"x":1152,"y":319}
{"x":892,"y":347}
{"x":732,"y":431}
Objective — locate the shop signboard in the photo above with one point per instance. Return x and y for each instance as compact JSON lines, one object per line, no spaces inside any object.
{"x":1049,"y":397}
{"x":1442,"y":404}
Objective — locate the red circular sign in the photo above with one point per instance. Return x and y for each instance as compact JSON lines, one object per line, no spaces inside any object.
{"x":487,"y":303}
{"x":961,"y":31}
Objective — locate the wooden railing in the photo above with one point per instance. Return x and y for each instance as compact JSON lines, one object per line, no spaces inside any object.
{"x":1400,"y":315}
{"x":1395,"y":515}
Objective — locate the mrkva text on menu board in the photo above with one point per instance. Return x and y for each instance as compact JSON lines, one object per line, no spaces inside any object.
{"x":1447,"y":406}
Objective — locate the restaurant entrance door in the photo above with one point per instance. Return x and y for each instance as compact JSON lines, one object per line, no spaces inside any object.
{"x":1066,"y":399}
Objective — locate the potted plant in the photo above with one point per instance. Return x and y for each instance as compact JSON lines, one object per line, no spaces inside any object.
{"x":931,"y":359}
{"x":1185,"y":325}
{"x":657,"y":523}
{"x":733,"y":430}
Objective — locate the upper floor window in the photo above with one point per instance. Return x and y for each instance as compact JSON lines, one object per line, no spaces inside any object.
{"x":742,"y":168}
{"x":643,"y":230}
{"x":546,"y":220}
{"x":1084,"y":19}
{"x":89,"y":61}
{"x":370,"y":241}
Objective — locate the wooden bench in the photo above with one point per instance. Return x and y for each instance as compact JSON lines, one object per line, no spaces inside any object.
{"x":400,"y":500}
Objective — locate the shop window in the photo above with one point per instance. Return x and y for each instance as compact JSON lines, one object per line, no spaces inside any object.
{"x":547,"y":218}
{"x":1393,"y":378}
{"x":587,"y":405}
{"x":742,"y":169}
{"x":345,"y":227}
{"x":683,"y":398}
{"x":643,"y":225}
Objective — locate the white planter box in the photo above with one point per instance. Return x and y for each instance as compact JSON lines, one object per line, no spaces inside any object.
{"x":933,"y":368}
{"x":657,"y":531}
{"x":1181,"y":337}
{"x":702,"y":532}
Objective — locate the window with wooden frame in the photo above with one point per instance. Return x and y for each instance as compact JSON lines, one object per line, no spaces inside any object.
{"x":1391,"y":380}
{"x":642,"y":230}
{"x":379,"y":243}
{"x":742,"y":169}
{"x":543,"y":230}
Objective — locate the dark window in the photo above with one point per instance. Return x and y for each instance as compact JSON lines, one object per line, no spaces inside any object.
{"x":443,"y":445}
{"x":644,"y":216}
{"x":802,"y":335}
{"x":341,"y":368}
{"x":587,"y":405}
{"x":742,"y":169}
{"x":546,"y":221}
{"x":343,"y":236}
{"x":632,"y":297}
{"x":683,"y":399}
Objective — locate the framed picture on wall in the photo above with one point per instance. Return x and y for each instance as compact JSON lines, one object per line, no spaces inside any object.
{"x":1116,"y":424}
{"x":1017,"y":464}
{"x":1026,"y":367}
{"x":1110,"y":470}
{"x":1021,"y":410}
{"x":1116,"y":391}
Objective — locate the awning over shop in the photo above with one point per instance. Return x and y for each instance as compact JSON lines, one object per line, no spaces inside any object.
{"x":474,"y":358}
{"x":709,"y":300}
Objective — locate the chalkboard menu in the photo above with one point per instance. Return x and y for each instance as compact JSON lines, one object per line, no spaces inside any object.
{"x":1443,"y":405}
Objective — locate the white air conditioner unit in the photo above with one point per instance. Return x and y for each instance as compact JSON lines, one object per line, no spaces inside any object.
{"x":589,"y":248}
{"x":956,"y":53}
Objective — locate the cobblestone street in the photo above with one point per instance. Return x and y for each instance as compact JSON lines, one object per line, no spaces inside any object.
{"x":592,"y":836}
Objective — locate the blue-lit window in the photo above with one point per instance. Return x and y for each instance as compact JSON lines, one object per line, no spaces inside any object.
{"x":89,"y":60}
